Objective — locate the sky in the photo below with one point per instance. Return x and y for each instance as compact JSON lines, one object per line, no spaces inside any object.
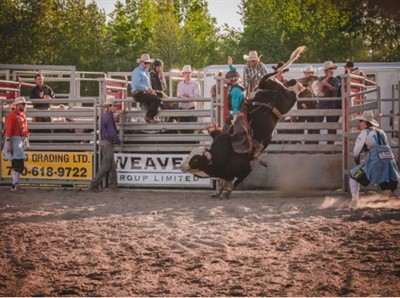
{"x":225,"y":11}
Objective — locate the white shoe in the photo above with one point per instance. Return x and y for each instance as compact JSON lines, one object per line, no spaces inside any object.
{"x":353,"y":204}
{"x":16,"y":188}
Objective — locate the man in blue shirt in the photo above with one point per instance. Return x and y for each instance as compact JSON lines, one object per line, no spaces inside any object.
{"x":141,"y":88}
{"x":108,"y":137}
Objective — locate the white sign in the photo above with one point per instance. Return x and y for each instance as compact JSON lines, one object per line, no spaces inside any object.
{"x":155,"y":169}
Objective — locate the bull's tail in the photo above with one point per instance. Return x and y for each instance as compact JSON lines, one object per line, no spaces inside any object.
{"x":295,"y":55}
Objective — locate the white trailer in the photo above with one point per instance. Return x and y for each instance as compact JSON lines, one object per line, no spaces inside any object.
{"x":385,"y":74}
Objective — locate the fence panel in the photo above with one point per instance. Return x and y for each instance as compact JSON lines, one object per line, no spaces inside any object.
{"x":63,"y":150}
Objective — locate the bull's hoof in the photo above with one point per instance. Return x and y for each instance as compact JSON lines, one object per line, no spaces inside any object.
{"x":224,"y":196}
{"x":215,"y":195}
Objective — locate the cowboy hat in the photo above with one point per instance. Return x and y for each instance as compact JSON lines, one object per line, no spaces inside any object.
{"x":279,"y":65}
{"x":308,"y":68}
{"x":368,"y":117}
{"x":111,"y":101}
{"x":19,"y":100}
{"x":144,"y":58}
{"x":329,"y":65}
{"x":252,"y":56}
{"x":349,"y":64}
{"x":187,"y":68}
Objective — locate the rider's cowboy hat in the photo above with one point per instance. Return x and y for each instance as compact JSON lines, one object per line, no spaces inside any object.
{"x":19,"y":100}
{"x":368,"y":117}
{"x":145,"y":58}
{"x":252,"y":56}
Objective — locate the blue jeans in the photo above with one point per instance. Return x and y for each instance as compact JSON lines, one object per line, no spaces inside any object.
{"x":108,"y":165}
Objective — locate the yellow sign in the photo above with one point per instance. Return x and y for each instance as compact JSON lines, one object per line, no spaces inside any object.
{"x":53,"y":165}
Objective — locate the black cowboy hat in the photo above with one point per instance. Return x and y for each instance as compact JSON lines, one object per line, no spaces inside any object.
{"x":280,"y":64}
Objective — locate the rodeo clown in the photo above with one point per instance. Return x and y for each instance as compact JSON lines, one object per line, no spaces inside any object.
{"x":379,"y":166}
{"x":17,"y":141}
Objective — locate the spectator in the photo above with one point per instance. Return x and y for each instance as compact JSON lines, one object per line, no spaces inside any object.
{"x":188,"y":88}
{"x":308,"y":82}
{"x":41,"y":91}
{"x":142,"y":91}
{"x":108,"y":138}
{"x":16,"y":140}
{"x":309,"y":71}
{"x":356,"y":87}
{"x":253,"y":71}
{"x":328,"y":86}
{"x":279,"y":74}
{"x":157,"y":79}
{"x":350,"y":69}
{"x":215,"y":89}
{"x":379,"y":166}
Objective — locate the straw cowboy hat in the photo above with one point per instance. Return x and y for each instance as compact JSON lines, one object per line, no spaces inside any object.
{"x":145,"y":58}
{"x":19,"y":100}
{"x":368,"y":117}
{"x":329,"y":65}
{"x":252,"y":56}
{"x":308,"y":68}
{"x":187,"y":68}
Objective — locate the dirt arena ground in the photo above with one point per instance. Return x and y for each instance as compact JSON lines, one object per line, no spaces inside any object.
{"x":184,"y":243}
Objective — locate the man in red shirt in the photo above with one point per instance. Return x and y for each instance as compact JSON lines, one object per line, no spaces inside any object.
{"x":16,"y":135}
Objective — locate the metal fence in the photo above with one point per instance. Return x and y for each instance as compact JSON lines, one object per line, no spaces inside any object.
{"x":75,"y":121}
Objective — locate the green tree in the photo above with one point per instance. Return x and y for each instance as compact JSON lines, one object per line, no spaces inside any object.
{"x":79,"y":35}
{"x":228,"y":39}
{"x":377,"y":28}
{"x":331,"y":29}
{"x":166,"y":34}
{"x":199,"y":35}
{"x":178,"y":32}
{"x":25,"y":35}
{"x":65,"y":32}
{"x":129,"y":32}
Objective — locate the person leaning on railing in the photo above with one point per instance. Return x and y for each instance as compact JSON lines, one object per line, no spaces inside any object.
{"x":142,"y":91}
{"x":41,"y":91}
{"x":328,"y":86}
{"x":108,"y":138}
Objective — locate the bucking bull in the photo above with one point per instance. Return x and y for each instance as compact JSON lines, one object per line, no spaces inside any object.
{"x":267,"y":104}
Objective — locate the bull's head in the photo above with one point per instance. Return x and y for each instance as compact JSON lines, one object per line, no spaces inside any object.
{"x":199,"y":159}
{"x":295,"y":86}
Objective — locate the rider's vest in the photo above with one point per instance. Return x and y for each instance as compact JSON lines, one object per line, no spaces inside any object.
{"x":230,"y":97}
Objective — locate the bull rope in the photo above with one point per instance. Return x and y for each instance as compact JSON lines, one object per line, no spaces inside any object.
{"x":274,"y":110}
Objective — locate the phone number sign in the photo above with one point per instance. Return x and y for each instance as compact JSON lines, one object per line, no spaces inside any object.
{"x":53,"y":165}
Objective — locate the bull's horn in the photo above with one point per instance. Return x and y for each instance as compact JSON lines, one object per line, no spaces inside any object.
{"x":209,"y":157}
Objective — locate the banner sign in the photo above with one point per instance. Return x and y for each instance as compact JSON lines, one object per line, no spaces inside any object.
{"x":155,"y":169}
{"x":53,"y":165}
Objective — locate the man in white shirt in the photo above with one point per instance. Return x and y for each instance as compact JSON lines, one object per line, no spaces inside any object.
{"x":188,"y":88}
